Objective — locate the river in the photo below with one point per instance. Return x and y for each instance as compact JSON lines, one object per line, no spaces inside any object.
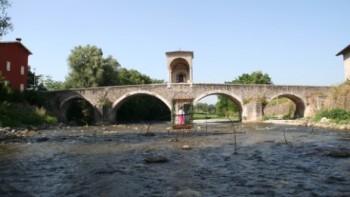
{"x":266,"y":160}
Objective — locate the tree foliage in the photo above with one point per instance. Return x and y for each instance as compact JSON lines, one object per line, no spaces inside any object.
{"x":132,"y":77}
{"x":51,"y":84}
{"x":80,"y":112}
{"x":226,"y":105}
{"x":88,"y":68}
{"x":5,"y":21}
{"x":205,"y":108}
{"x":256,"y":77}
{"x":34,"y":81}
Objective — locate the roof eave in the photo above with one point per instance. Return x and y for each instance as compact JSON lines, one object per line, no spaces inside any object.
{"x":16,"y":42}
{"x":343,"y":51}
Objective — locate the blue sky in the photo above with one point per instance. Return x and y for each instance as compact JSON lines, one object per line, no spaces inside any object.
{"x":294,"y":41}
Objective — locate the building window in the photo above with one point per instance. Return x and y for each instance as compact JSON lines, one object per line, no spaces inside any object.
{"x":181,"y":78}
{"x":8,"y":66}
{"x":6,"y":83}
{"x":21,"y":87}
{"x":22,"y":70}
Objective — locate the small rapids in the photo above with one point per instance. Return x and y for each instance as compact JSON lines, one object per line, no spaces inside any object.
{"x":266,"y":160}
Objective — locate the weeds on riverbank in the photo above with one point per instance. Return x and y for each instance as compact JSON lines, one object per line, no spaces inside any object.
{"x":338,"y":116}
{"x":339,"y":97}
{"x":19,"y":114}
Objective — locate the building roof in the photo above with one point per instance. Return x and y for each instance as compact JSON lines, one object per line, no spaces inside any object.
{"x":346,"y":49}
{"x":17,"y":42}
{"x":179,"y":52}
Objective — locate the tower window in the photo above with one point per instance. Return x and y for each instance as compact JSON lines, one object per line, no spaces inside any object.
{"x":181,"y":78}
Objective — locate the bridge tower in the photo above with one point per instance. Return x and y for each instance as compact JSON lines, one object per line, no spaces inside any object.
{"x":180,"y":66}
{"x":346,"y":56}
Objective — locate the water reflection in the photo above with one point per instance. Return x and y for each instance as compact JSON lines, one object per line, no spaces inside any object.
{"x":272,"y":160}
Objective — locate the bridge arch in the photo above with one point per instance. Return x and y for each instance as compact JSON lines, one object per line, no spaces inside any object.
{"x":298,"y":101}
{"x":232,"y":96}
{"x":66,"y":104}
{"x":124,"y":98}
{"x":236,"y":99}
{"x":140,"y":92}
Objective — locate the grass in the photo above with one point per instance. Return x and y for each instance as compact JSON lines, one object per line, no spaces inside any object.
{"x":21,"y":114}
{"x":202,"y":116}
{"x":338,"y":116}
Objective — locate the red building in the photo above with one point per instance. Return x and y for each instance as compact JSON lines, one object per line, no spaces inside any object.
{"x":14,"y":63}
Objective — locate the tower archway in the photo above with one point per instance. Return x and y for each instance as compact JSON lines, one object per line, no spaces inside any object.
{"x":180,"y":66}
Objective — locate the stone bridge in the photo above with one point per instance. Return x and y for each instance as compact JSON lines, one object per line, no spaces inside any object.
{"x":251,"y":99}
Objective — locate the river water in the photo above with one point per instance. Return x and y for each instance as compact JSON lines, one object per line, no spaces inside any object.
{"x":266,"y":160}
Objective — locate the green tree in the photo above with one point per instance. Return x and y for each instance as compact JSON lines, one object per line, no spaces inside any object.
{"x":5,"y":90}
{"x":132,"y":77}
{"x":201,"y":107}
{"x":227,"y":106}
{"x":51,"y":84}
{"x":256,"y":77}
{"x":5,"y":21}
{"x":88,"y":68}
{"x":35,"y":81}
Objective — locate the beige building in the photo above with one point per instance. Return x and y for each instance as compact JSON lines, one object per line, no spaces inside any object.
{"x":346,"y":56}
{"x":180,"y":66}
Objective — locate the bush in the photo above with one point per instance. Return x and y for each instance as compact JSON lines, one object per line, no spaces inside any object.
{"x":16,"y":115}
{"x":336,"y":115}
{"x":37,"y":98}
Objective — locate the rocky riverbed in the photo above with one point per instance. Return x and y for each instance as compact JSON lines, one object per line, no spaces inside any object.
{"x":154,"y":160}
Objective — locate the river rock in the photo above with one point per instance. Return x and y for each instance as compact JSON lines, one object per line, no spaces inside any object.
{"x":156,"y":159}
{"x":339,"y":154}
{"x":325,"y":120}
{"x":174,"y":140}
{"x":186,"y":147}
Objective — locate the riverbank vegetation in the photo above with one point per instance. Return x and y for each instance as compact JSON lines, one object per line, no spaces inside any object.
{"x":23,"y":114}
{"x":337,"y":116}
{"x":337,"y":106}
{"x":22,"y":109}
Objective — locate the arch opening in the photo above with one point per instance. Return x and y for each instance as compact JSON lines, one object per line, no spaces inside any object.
{"x":285,"y":106}
{"x":78,"y":111}
{"x":180,"y":70}
{"x":141,"y":108}
{"x":224,"y":106}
